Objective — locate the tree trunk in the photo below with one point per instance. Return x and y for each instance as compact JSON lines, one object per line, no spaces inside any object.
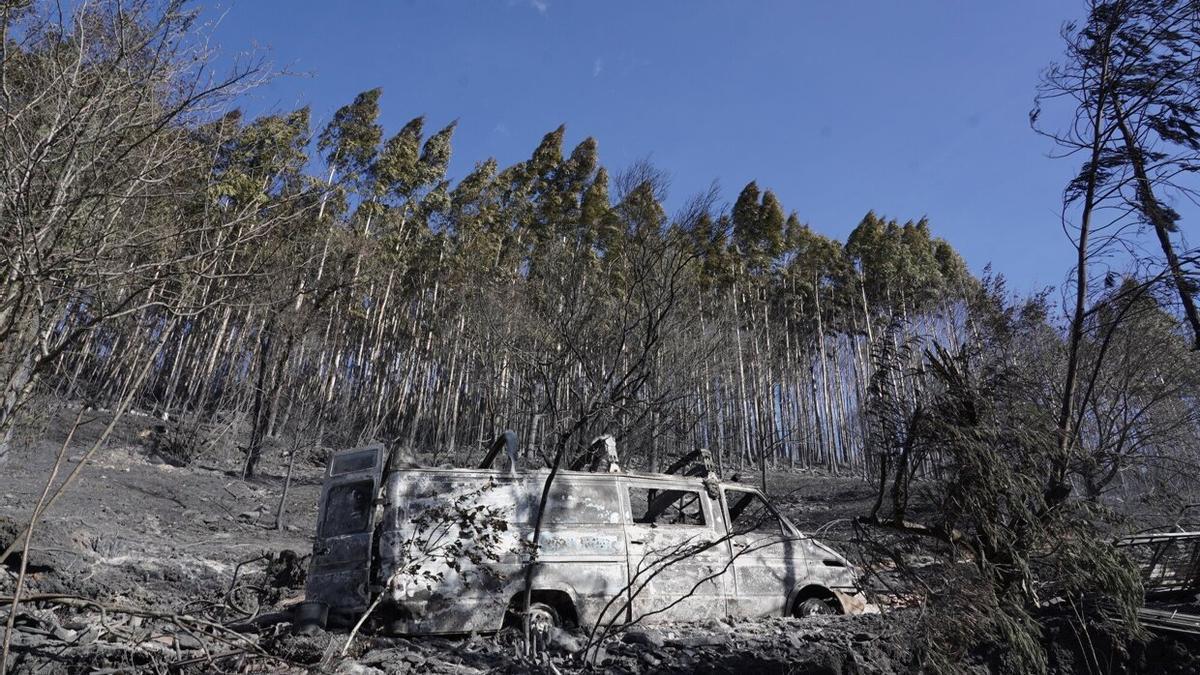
{"x":1148,"y":204}
{"x":1057,"y":487}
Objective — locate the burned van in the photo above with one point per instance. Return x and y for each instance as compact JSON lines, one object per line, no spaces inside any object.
{"x":449,"y":550}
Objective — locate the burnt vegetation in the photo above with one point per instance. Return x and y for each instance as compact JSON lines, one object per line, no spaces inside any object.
{"x":240,"y":296}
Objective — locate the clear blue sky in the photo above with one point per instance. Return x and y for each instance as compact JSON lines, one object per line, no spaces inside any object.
{"x":910,"y":108}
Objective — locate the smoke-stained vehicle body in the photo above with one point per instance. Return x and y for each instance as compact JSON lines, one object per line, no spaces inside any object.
{"x":448,"y":548}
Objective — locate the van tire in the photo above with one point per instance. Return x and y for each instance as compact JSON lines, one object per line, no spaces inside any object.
{"x":310,"y":618}
{"x":543,"y":617}
{"x":553,"y":605}
{"x":813,"y":607}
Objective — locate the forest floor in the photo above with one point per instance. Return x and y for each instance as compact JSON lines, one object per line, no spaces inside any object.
{"x":142,"y":565}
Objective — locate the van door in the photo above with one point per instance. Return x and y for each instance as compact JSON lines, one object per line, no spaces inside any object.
{"x":676,"y":555}
{"x":768,"y":559}
{"x":340,"y":572}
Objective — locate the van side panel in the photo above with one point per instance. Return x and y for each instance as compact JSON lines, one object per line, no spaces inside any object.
{"x":582,"y":550}
{"x":769,"y":560}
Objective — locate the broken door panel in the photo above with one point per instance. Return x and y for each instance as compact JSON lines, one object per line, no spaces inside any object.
{"x":768,"y":561}
{"x":340,"y":572}
{"x":676,"y":557}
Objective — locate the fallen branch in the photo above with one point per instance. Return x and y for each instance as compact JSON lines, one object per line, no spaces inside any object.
{"x":207,"y":659}
{"x":186,"y":623}
{"x":951,"y":536}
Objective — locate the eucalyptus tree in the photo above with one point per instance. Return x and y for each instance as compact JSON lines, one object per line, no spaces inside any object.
{"x":349,"y":144}
{"x":758,"y":222}
{"x":810,"y":281}
{"x":1155,"y":105}
{"x":541,"y":223}
{"x":757,"y":232}
{"x":596,"y":217}
{"x":405,"y":196}
{"x":261,"y":168}
{"x":1129,"y":73}
{"x":903,"y":268}
{"x":874,"y":254}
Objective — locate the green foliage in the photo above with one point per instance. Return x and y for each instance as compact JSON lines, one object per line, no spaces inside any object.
{"x":757,"y":226}
{"x":903,"y":266}
{"x":352,"y":136}
{"x":262,"y":159}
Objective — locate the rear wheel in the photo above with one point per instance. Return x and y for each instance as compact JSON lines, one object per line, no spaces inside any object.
{"x":543,"y":617}
{"x":310,"y":618}
{"x":813,"y":607}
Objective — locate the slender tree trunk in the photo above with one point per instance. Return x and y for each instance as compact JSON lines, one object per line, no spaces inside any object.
{"x":1148,"y":204}
{"x":16,"y":391}
{"x":1057,"y":489}
{"x":745,"y":410}
{"x":258,"y":416}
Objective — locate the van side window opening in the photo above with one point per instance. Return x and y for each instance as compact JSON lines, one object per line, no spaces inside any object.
{"x":666,"y":507}
{"x":348,"y":508}
{"x":749,"y":512}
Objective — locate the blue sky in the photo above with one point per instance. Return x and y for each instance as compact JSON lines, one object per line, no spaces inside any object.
{"x":913,"y":108}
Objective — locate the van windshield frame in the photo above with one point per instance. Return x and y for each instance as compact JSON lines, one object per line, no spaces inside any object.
{"x":745,"y":497}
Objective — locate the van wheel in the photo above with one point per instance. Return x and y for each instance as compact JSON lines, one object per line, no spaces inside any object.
{"x":543,"y":617}
{"x":813,"y":607}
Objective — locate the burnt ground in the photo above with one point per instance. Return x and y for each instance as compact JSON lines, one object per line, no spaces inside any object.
{"x":147,"y":566}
